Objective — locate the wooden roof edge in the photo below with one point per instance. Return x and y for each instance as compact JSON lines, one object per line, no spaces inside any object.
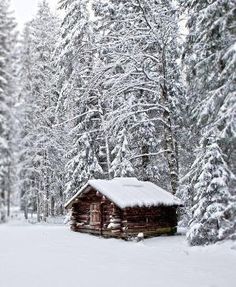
{"x":68,"y":204}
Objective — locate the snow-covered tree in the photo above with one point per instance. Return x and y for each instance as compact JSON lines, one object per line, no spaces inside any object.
{"x":138,"y":51}
{"x":210,"y":58}
{"x":121,"y":165}
{"x":78,"y":104}
{"x":7,"y":49}
{"x":41,"y":152}
{"x":211,"y":220}
{"x":210,"y":61}
{"x":82,"y":166}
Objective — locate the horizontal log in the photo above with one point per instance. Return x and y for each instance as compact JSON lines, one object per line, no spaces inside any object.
{"x":127,"y":235}
{"x":152,"y":232}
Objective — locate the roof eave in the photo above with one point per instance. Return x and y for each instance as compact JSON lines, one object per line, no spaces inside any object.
{"x":74,"y":197}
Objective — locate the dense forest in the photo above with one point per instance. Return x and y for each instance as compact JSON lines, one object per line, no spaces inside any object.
{"x":119,"y":89}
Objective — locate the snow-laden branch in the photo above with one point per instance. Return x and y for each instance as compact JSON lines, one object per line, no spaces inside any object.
{"x":76,"y":117}
{"x":150,"y":120}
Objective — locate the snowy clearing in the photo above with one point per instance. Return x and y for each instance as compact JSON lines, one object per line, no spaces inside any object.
{"x":48,"y":256}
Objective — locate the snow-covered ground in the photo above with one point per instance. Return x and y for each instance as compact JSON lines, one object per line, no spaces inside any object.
{"x":53,"y":256}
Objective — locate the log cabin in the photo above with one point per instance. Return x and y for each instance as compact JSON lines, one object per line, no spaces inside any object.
{"x":123,"y":208}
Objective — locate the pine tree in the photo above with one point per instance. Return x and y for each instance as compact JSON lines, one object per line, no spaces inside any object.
{"x":7,"y":43}
{"x":210,"y":59}
{"x":211,"y":197}
{"x":78,"y":104}
{"x":40,"y":154}
{"x":121,"y":165}
{"x":82,"y":166}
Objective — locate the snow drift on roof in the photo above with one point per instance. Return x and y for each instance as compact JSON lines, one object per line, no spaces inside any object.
{"x":130,"y":192}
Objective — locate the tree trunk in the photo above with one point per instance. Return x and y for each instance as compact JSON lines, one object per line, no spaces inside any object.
{"x":2,"y":207}
{"x":52,"y":206}
{"x":46,"y":206}
{"x":46,"y":188}
{"x":38,"y":209}
{"x":61,"y":208}
{"x":26,"y":212}
{"x":145,"y":161}
{"x":8,"y":192}
{"x":171,"y":155}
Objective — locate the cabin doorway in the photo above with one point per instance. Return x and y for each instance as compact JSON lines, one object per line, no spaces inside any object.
{"x":96,"y":216}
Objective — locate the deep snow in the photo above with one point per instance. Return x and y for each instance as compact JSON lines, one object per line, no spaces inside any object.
{"x":53,"y":256}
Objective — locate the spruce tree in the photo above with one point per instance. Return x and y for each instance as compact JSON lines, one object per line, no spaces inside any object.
{"x":210,"y":62}
{"x":82,"y":166}
{"x":7,"y":44}
{"x":121,"y":165}
{"x":211,"y":209}
{"x":40,"y":153}
{"x":78,"y":105}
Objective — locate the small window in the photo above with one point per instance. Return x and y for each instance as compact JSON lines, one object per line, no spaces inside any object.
{"x":95,"y":214}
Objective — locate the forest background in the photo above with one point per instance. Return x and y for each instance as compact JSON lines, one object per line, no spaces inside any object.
{"x":113,"y":89}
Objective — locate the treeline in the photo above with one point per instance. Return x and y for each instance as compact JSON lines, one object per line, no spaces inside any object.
{"x":113,"y":89}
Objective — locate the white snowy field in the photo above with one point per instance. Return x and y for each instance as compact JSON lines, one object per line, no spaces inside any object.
{"x":53,"y":256}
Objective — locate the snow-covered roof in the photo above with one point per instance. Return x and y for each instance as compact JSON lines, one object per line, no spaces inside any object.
{"x":129,"y":192}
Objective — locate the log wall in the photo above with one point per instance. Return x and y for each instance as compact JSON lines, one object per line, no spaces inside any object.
{"x":151,"y":221}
